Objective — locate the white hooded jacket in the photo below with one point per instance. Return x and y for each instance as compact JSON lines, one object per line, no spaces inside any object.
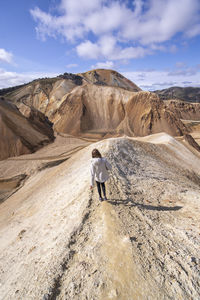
{"x":99,"y":169}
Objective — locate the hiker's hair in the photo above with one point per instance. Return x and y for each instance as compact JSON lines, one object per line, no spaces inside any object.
{"x":96,"y":153}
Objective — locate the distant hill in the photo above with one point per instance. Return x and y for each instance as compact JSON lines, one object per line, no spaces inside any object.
{"x":189,"y":94}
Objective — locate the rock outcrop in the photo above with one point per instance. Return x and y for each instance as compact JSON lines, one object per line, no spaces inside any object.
{"x":188,"y":138}
{"x":90,"y":108}
{"x":20,"y":135}
{"x":109,"y":78}
{"x":184,"y":110}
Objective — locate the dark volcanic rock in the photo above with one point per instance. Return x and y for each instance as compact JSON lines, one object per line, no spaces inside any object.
{"x":78,"y":80}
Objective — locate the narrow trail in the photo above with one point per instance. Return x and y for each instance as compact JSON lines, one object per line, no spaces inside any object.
{"x":131,"y":246}
{"x":55,"y":290}
{"x":80,"y":271}
{"x":140,"y":244}
{"x":99,"y":261}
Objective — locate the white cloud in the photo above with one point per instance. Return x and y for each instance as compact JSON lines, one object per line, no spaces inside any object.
{"x":88,"y":50}
{"x":9,"y":79}
{"x":109,"y":18}
{"x":193,"y":31}
{"x":163,"y":20}
{"x":173,"y":49}
{"x":180,"y":64}
{"x":103,"y":65}
{"x":69,"y":66}
{"x":5,"y":56}
{"x":155,"y":80}
{"x":183,"y":70}
{"x":107,"y":48}
{"x":81,"y":7}
{"x":131,"y":52}
{"x":132,"y":28}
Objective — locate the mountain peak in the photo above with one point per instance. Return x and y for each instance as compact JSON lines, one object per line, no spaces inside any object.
{"x":110,"y":78}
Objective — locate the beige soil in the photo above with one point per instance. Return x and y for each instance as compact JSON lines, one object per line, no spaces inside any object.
{"x":57,"y":241}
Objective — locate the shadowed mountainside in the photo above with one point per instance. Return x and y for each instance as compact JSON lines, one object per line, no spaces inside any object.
{"x":19,"y":134}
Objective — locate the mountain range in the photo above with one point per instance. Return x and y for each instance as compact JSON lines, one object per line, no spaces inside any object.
{"x":57,"y":240}
{"x":188,"y":94}
{"x":98,"y":103}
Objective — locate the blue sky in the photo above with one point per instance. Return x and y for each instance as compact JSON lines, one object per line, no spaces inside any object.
{"x":155,"y":43}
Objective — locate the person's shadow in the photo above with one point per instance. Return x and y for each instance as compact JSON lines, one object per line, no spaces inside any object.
{"x":131,"y":203}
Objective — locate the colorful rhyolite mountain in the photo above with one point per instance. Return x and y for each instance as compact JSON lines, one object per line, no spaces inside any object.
{"x":102,"y":103}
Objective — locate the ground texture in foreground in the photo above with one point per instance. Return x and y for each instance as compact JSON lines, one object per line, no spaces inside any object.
{"x":58,"y":241}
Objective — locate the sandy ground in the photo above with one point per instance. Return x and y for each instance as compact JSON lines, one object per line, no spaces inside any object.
{"x":57,"y":241}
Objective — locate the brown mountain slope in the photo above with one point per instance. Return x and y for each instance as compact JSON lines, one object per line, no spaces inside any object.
{"x":109,"y":78}
{"x":93,"y":108}
{"x":46,"y":94}
{"x":184,"y":110}
{"x":18,"y":134}
{"x":102,"y":101}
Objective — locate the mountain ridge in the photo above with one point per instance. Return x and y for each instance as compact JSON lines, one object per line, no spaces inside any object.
{"x":101,"y":103}
{"x":188,"y":94}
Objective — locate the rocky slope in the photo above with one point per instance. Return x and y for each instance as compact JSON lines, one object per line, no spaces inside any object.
{"x":184,"y":110}
{"x":58,"y":242}
{"x":46,"y":94}
{"x":101,"y":101}
{"x":189,"y":94}
{"x":109,"y":78}
{"x":20,"y":134}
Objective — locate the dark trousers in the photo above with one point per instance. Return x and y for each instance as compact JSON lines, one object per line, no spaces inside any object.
{"x":101,"y":186}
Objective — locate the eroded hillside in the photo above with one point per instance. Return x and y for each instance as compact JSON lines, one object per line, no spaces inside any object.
{"x":96,"y":104}
{"x":59,"y":242}
{"x":20,"y":135}
{"x":102,"y":101}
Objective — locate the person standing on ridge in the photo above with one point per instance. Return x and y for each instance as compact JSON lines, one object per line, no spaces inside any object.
{"x":99,"y":171}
